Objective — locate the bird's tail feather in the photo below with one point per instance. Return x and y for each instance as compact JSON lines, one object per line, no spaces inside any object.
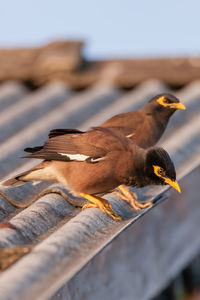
{"x":37,"y":173}
{"x":15,"y":181}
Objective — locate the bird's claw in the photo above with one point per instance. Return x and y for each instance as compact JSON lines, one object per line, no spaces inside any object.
{"x":105,"y":207}
{"x":130,"y":197}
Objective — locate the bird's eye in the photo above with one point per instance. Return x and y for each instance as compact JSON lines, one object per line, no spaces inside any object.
{"x":166,"y":100}
{"x":161,"y":172}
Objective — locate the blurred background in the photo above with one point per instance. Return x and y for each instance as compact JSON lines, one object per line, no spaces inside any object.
{"x":75,"y":64}
{"x":110,"y":28}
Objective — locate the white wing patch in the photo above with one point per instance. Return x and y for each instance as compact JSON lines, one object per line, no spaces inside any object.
{"x":82,"y":157}
{"x":130,"y":135}
{"x":78,"y":157}
{"x":96,"y":159}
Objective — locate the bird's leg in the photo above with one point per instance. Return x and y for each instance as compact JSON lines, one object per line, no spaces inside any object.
{"x":131,"y":198}
{"x":101,"y":203}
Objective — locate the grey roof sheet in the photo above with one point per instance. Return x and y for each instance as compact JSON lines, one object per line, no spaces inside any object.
{"x":66,"y":238}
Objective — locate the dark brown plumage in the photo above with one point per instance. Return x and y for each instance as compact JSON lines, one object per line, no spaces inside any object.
{"x":96,"y":162}
{"x":146,"y":126}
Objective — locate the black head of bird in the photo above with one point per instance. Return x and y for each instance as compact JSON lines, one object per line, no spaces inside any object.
{"x":160,"y":168}
{"x":164,"y":102}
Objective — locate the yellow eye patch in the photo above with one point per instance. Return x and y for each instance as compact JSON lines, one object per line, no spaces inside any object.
{"x":175,"y":105}
{"x":158,"y":171}
{"x":161,"y":173}
{"x":161,"y":102}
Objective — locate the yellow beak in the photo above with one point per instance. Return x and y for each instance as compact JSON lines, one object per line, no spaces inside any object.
{"x":178,"y":105}
{"x":174,"y":184}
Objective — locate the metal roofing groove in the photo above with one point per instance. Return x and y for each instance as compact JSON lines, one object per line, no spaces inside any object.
{"x":31,"y":101}
{"x":23,"y":195}
{"x":36,"y":220}
{"x":191,"y":90}
{"x":31,"y":107}
{"x":182,"y":117}
{"x":182,"y":145}
{"x":183,"y":136}
{"x":11,"y":92}
{"x":71,"y":113}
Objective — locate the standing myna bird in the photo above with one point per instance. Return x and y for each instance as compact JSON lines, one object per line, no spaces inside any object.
{"x":93,"y":163}
{"x":146,"y":126}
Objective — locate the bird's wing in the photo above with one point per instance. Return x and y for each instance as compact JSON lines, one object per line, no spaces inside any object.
{"x":125,"y":123}
{"x":91,"y":146}
{"x":53,"y":133}
{"x":127,"y":131}
{"x":57,"y":132}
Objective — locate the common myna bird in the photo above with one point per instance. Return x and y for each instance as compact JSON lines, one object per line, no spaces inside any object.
{"x":94,"y":163}
{"x":146,"y":126}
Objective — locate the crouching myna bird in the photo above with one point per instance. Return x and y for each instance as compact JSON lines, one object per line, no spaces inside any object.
{"x":146,"y":126}
{"x":94,"y":163}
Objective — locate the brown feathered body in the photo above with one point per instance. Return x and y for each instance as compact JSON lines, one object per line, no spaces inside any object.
{"x":145,"y":126}
{"x":107,"y":161}
{"x":94,"y":162}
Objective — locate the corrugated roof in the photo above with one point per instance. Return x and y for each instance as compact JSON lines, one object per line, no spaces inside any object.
{"x":63,"y":238}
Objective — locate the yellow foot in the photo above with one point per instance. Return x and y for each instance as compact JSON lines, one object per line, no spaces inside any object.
{"x":130,"y":197}
{"x":101,"y":203}
{"x":89,"y":205}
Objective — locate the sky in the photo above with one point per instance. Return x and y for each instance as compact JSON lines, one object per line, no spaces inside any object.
{"x":110,"y":28}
